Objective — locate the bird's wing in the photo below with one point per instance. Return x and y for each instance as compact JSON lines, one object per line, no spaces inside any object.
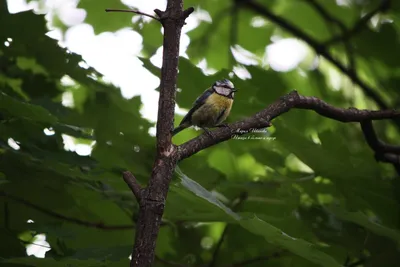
{"x":197,"y":103}
{"x":221,"y":114}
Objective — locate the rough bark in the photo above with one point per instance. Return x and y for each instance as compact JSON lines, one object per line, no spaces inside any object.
{"x":152,"y":198}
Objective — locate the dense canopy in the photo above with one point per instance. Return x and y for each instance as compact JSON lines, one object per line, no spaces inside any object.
{"x":308,"y":191}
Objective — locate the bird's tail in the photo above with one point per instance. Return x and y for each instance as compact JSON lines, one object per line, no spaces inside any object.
{"x":178,"y":129}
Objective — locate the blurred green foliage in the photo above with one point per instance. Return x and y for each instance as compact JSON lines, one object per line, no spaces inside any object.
{"x":314,"y":194}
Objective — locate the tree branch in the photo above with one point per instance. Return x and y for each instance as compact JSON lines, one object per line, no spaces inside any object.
{"x":284,"y":104}
{"x":383,"y":152}
{"x":98,"y":225}
{"x":326,"y":15}
{"x":329,"y":18}
{"x":131,"y":181}
{"x":319,"y":48}
{"x":132,"y":11}
{"x":373,"y":141}
{"x":152,"y":198}
{"x":360,"y":24}
{"x":234,"y":206}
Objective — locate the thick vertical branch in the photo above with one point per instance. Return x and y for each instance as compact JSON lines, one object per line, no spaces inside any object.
{"x":152,"y":198}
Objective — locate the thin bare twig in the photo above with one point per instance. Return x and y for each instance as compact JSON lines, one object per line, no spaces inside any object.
{"x":234,"y":206}
{"x":35,"y":244}
{"x":98,"y":225}
{"x":132,"y":11}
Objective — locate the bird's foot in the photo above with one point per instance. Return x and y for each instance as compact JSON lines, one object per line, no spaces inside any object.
{"x":225,"y":125}
{"x":208,"y":131}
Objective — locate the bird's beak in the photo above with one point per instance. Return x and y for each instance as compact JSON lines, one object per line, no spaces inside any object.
{"x":234,"y":90}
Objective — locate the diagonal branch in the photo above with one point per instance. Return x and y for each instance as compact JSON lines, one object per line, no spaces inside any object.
{"x":98,"y":225}
{"x":330,"y":18}
{"x":131,"y":181}
{"x":318,"y":48}
{"x":373,"y":141}
{"x":383,"y":152}
{"x":326,"y":15}
{"x":284,"y":104}
{"x":360,"y":24}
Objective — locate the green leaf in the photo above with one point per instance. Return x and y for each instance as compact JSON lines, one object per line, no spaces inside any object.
{"x":202,"y":193}
{"x":367,"y":222}
{"x":96,"y":15}
{"x":152,"y":37}
{"x":368,"y":40}
{"x":297,"y":246}
{"x":25,"y":110}
{"x":49,"y":262}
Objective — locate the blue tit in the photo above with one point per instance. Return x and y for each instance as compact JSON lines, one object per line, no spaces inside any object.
{"x":211,"y":108}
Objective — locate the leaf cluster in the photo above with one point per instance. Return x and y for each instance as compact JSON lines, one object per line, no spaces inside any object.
{"x":305,"y":192}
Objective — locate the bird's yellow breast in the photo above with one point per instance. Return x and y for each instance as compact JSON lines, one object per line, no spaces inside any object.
{"x":220,"y":101}
{"x":209,"y":114}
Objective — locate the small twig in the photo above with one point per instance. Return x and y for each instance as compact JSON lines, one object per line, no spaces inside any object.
{"x":131,"y":181}
{"x":132,"y":11}
{"x":218,"y":247}
{"x":32,"y":243}
{"x":384,"y":5}
{"x":66,"y":218}
{"x":234,"y":206}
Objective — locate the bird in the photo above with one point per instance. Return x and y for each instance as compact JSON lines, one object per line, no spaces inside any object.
{"x":211,"y":108}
